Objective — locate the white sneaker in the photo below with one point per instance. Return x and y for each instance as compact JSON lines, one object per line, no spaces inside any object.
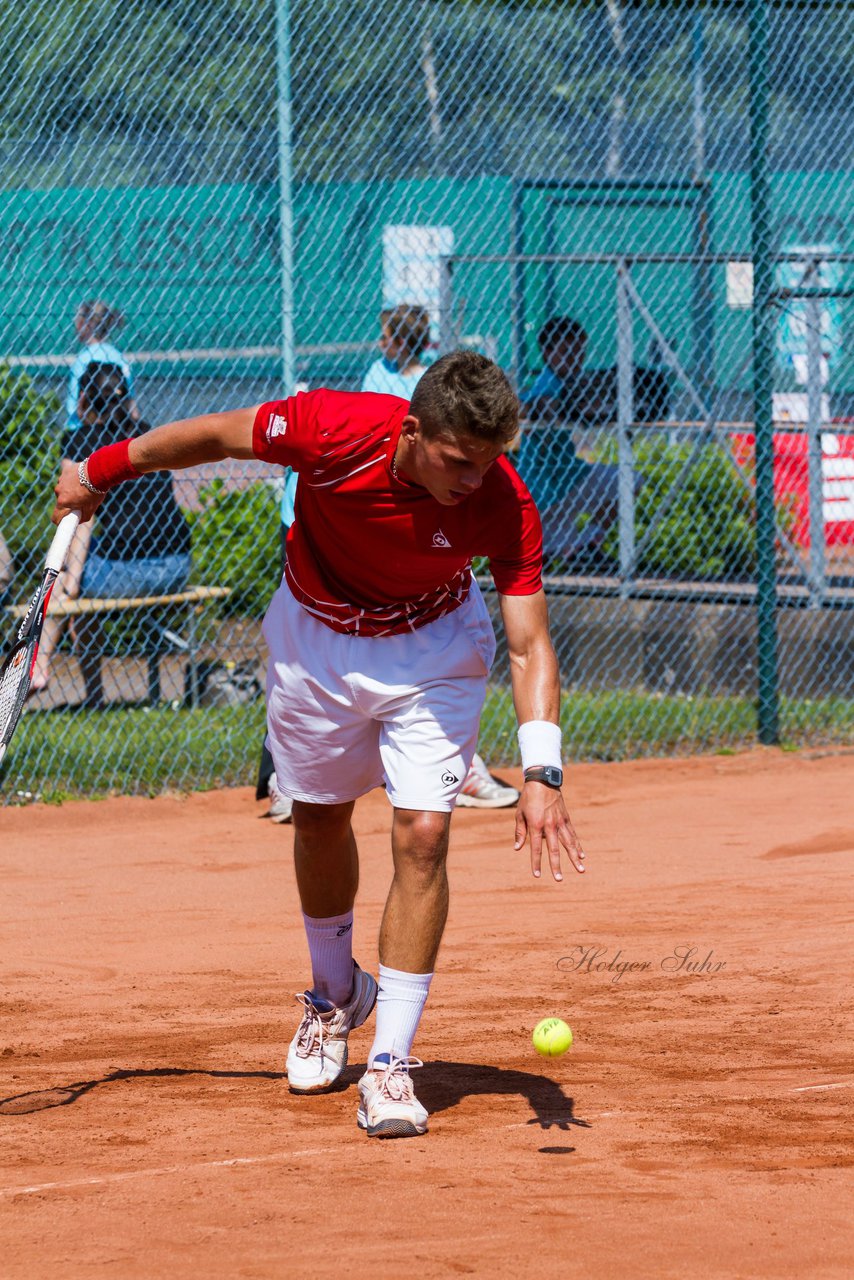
{"x":482,"y":791}
{"x":281,"y":807}
{"x":318,"y":1052}
{"x":387,"y":1106}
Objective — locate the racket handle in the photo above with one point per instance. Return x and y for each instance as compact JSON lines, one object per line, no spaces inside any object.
{"x":62,"y":539}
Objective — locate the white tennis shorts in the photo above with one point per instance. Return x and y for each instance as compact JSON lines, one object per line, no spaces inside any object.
{"x":346,"y":714}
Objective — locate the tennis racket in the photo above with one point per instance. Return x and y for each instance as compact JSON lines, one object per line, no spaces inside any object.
{"x":17,"y":669}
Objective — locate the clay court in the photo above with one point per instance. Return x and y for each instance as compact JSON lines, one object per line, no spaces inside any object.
{"x":698,"y":1126}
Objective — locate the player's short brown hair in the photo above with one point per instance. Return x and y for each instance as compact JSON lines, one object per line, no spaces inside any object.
{"x":464,"y":394}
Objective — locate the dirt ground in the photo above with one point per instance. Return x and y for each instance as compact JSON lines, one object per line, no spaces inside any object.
{"x":699,"y":1126}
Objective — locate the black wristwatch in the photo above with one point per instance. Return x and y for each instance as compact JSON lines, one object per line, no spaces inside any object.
{"x":550,"y":774}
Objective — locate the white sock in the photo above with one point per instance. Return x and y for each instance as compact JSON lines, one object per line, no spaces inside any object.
{"x":330,"y":945}
{"x":400,"y":1003}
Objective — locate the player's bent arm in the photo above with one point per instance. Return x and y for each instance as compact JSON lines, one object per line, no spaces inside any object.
{"x":541,"y":816}
{"x":208,"y":438}
{"x":173,"y":447}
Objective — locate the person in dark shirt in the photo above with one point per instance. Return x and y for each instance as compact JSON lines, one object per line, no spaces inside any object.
{"x":142,"y":543}
{"x":578,"y":499}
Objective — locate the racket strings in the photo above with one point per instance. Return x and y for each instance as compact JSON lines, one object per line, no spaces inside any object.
{"x":14,"y":681}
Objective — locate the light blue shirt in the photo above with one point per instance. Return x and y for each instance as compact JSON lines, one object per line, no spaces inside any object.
{"x":546,"y":383}
{"x":391,"y":382}
{"x":286,"y":508}
{"x":547,"y":460}
{"x":92,"y":353}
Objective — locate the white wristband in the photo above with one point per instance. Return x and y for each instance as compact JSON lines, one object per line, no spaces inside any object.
{"x":539,"y":742}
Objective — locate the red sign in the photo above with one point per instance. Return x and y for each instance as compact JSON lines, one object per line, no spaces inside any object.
{"x":791,"y":481}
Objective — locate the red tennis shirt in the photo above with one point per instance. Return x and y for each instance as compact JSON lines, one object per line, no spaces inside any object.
{"x":373,"y":554}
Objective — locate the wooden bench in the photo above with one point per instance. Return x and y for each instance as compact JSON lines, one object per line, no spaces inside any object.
{"x":193,"y":598}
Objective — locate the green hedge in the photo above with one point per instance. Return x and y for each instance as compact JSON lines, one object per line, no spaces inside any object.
{"x":237,"y":544}
{"x":708,"y":532}
{"x":29,"y":463}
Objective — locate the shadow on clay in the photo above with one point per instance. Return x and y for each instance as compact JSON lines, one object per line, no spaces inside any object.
{"x":21,"y":1104}
{"x":442,"y":1085}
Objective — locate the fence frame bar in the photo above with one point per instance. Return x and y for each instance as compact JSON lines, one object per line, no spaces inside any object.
{"x":768,"y":711}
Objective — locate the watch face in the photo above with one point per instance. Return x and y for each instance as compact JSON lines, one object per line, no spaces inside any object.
{"x":550,"y":774}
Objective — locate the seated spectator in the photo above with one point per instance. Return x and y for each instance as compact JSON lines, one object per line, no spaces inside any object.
{"x":141,"y":545}
{"x":94,"y":323}
{"x":577,"y":498}
{"x":404,"y":337}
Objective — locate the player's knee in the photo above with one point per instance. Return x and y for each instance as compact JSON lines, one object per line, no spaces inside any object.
{"x":421,"y":840}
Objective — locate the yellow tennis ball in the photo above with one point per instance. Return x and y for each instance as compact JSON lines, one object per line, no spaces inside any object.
{"x":551,"y":1037}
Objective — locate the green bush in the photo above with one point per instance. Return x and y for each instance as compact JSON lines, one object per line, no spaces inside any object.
{"x":708,"y":532}
{"x":237,"y":544}
{"x":29,"y":463}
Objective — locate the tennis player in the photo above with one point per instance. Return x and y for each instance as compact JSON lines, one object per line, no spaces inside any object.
{"x":380,"y":647}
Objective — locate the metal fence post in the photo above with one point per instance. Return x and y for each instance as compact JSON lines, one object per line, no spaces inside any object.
{"x":286,"y":215}
{"x":814,"y":471}
{"x":763,"y":375}
{"x":517,"y":281}
{"x":446,"y":305}
{"x":625,"y":417}
{"x":703,"y":300}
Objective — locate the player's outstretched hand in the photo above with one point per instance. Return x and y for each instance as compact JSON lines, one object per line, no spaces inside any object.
{"x":71,"y":495}
{"x":542,"y":817}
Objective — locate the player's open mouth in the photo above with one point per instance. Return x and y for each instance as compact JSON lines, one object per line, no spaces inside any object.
{"x":457,"y":497}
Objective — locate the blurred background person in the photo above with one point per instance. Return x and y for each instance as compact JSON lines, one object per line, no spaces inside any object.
{"x":281,"y":806}
{"x":577,"y":498}
{"x":94,"y":322}
{"x":405,"y":333}
{"x":141,"y":542}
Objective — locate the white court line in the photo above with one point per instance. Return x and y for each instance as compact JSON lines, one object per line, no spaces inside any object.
{"x":237,"y":1161}
{"x":167,"y":1168}
{"x":812,"y":1088}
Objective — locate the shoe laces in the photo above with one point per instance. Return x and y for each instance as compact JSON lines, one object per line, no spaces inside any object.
{"x":311,"y":1029}
{"x":395,"y":1082}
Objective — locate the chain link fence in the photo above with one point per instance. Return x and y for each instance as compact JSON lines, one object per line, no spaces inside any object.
{"x":227,"y":200}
